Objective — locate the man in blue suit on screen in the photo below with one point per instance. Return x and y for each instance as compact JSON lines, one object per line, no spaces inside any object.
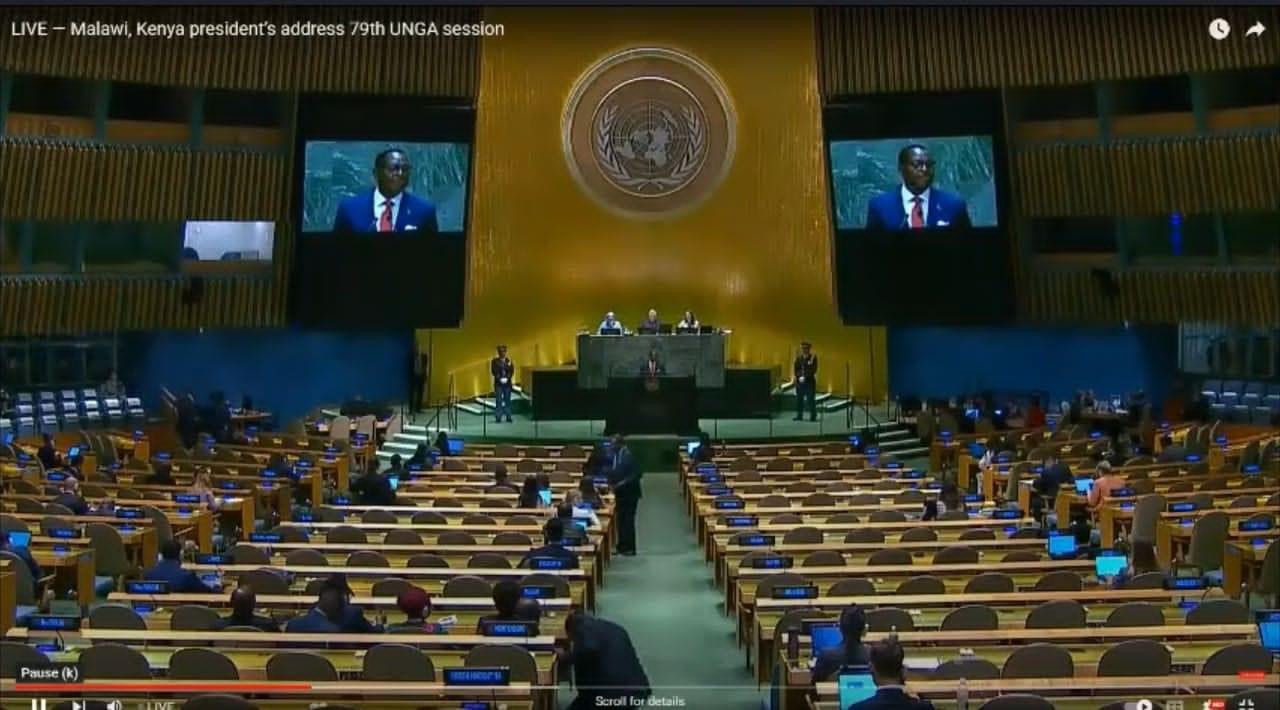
{"x":387,"y":207}
{"x":916,"y":204}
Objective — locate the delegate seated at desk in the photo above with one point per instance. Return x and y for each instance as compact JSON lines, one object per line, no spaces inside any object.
{"x":689,"y":323}
{"x":610,"y":325}
{"x":650,"y":325}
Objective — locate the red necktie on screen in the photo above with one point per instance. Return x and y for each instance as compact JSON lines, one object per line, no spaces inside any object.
{"x":917,"y":213}
{"x":384,"y":222}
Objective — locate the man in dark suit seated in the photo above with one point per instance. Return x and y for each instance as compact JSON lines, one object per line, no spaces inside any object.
{"x":373,"y":488}
{"x":70,"y":498}
{"x":886,"y":669}
{"x":333,"y":612}
{"x":170,"y":570}
{"x":506,"y":595}
{"x":650,"y":325}
{"x":850,"y":652}
{"x":606,"y":667}
{"x":553,"y":531}
{"x":916,"y":204}
{"x":387,"y":207}
{"x":48,"y":453}
{"x":243,"y":603}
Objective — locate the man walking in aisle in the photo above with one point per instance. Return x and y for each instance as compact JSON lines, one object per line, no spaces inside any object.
{"x":624,"y":478}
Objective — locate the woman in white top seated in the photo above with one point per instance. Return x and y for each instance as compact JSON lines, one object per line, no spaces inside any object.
{"x":688,"y":322}
{"x":581,"y":512}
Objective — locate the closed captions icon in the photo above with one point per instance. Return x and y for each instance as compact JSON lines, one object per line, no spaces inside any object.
{"x":1219,"y":29}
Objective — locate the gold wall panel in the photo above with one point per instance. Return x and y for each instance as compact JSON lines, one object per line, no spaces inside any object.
{"x":545,"y":259}
{"x":880,"y":49}
{"x":138,"y":183}
{"x":1245,"y":297}
{"x":1195,"y":175}
{"x":72,"y":306}
{"x":439,"y":66}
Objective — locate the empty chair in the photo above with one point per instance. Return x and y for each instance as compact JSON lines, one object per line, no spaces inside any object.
{"x":389,"y":587}
{"x":402,"y":537}
{"x":1202,"y":501}
{"x":1017,"y":701}
{"x":1146,"y":513}
{"x":823,"y":558}
{"x":194,"y":617}
{"x":14,"y":655}
{"x":911,"y":495}
{"x":397,"y":663}
{"x":488,"y":560}
{"x":201,"y":664}
{"x":1244,"y":502}
{"x":978,"y":534}
{"x":477,"y":519}
{"x":1059,"y":614}
{"x":805,"y":535}
{"x":328,"y":514}
{"x":857,"y":587}
{"x":989,"y":583}
{"x":818,"y":499}
{"x":890,"y":556}
{"x":306,"y":558}
{"x":1218,"y":611}
{"x":467,"y":586}
{"x":888,"y":516}
{"x":776,"y":500}
{"x":865,"y":535}
{"x":967,"y":668}
{"x":956,"y":555}
{"x":367,"y":558}
{"x":954,"y":515}
{"x":975,"y":617}
{"x":116,"y":616}
{"x":300,"y":666}
{"x":801,"y":487}
{"x":923,"y":584}
{"x":456,"y":537}
{"x":842,"y":518}
{"x":1039,"y":660}
{"x":522,"y":667}
{"x":1019,"y":534}
{"x":1146,"y":580}
{"x":786,"y":519}
{"x":264,"y":581}
{"x":8,"y":524}
{"x":291,"y":533}
{"x":429,"y":517}
{"x":889,"y":618}
{"x":1238,"y":658}
{"x":346,"y":534}
{"x":515,"y":520}
{"x":1136,"y":614}
{"x":921,"y":534}
{"x":249,"y":554}
{"x":1208,"y":539}
{"x":1136,"y":657}
{"x":427,"y":559}
{"x":865,"y":499}
{"x":379,"y":516}
{"x":1182,"y":486}
{"x":514,"y":539}
{"x":1060,"y":581}
{"x":113,"y":661}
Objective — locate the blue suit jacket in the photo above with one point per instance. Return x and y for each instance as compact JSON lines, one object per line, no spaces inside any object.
{"x":885,"y":211}
{"x":891,"y":699}
{"x":181,"y":581}
{"x":556,"y":551}
{"x":355,"y":214}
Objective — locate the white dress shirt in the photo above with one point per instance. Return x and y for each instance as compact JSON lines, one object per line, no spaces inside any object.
{"x":908,"y":203}
{"x":604,"y":324}
{"x":378,"y":206}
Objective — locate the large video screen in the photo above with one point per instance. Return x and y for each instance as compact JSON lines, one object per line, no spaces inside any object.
{"x":382,"y":205}
{"x":918,"y":193}
{"x":891,"y":184}
{"x":385,"y":186}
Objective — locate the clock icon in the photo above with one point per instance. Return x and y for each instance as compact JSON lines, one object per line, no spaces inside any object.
{"x":1219,"y":29}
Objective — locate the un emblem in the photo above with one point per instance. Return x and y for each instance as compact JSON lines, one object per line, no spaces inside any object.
{"x":648,"y":132}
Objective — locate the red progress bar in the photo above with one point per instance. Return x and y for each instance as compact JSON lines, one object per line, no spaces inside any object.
{"x":159,"y":688}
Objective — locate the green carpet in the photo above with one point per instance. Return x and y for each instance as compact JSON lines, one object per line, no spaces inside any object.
{"x":664,"y":597}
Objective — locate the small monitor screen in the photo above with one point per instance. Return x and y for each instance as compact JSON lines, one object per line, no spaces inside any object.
{"x":8,"y":439}
{"x":545,"y":496}
{"x":825,"y":636}
{"x":394,"y":481}
{"x":1084,"y":485}
{"x":455,"y":446}
{"x":692,"y":446}
{"x":1110,"y":565}
{"x":19,"y":538}
{"x":1269,"y":629}
{"x":73,"y":452}
{"x":1062,"y":545}
{"x":855,"y":685}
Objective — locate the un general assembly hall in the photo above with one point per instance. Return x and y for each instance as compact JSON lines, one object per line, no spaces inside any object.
{"x":702,"y":356}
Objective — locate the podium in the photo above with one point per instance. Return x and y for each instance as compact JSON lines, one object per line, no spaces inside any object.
{"x":657,"y":405}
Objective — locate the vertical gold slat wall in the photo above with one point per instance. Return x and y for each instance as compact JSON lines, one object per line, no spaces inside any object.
{"x":865,"y":50}
{"x":173,"y":183}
